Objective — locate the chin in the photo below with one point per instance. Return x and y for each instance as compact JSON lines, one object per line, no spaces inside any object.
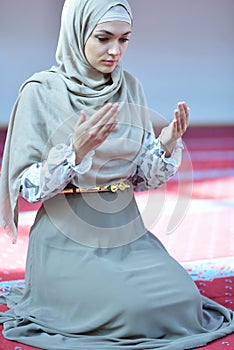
{"x":106,"y":70}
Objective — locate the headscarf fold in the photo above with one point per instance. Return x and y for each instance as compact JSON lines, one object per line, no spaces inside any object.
{"x":116,"y":13}
{"x":79,"y":18}
{"x":48,"y":106}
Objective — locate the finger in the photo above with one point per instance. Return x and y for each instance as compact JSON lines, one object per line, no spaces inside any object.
{"x":186,"y":119}
{"x":102,"y":114}
{"x":186,"y":111}
{"x":99,"y":138}
{"x":109,"y":127}
{"x":108,"y":130}
{"x":187,"y":115}
{"x":109,"y":116}
{"x":182,"y":109}
{"x":102,"y":129}
{"x":177,"y":121}
{"x":81,"y":120}
{"x":184,"y":116}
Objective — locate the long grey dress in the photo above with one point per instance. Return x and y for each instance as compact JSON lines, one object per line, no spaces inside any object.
{"x":130,"y":296}
{"x":95,"y":278}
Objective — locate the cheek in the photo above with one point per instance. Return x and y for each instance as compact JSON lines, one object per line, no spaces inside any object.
{"x":93,"y":51}
{"x":89,"y":53}
{"x":88,"y":46}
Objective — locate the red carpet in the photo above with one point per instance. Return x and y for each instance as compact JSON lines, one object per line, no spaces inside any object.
{"x":219,"y":290}
{"x":192,"y":215}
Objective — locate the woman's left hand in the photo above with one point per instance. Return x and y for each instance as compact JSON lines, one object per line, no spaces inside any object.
{"x":175,"y":130}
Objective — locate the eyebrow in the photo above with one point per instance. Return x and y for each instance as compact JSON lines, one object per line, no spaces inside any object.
{"x":109,"y":33}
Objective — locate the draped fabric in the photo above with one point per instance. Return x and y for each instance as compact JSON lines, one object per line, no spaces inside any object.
{"x":49,"y":103}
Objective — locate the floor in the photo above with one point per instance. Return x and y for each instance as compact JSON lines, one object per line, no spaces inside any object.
{"x":193,"y":215}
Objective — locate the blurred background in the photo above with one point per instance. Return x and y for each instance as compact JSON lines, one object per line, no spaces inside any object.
{"x":180,"y":50}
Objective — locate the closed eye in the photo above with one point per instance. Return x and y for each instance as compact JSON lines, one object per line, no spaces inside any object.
{"x":102,"y":38}
{"x":105,"y":39}
{"x":124,"y":40}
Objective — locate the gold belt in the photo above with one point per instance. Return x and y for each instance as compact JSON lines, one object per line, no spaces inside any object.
{"x":112,"y":188}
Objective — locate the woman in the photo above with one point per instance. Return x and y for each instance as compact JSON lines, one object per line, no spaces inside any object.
{"x":95,"y":278}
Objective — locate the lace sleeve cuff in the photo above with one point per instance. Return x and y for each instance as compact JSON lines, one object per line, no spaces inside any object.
{"x":175,"y":158}
{"x":154,"y":168}
{"x":43,"y":180}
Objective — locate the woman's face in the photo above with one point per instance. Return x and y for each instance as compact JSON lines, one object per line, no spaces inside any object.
{"x":107,"y":44}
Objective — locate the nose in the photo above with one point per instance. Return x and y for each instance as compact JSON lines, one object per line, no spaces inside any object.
{"x":114,"y":49}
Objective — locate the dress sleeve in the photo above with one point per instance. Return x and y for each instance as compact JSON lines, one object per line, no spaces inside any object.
{"x":153,"y":168}
{"x":43,"y":180}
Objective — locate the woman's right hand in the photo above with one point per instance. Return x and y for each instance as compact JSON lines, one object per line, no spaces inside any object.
{"x":91,"y":133}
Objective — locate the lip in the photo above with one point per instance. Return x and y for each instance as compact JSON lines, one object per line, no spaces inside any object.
{"x":110,"y":62}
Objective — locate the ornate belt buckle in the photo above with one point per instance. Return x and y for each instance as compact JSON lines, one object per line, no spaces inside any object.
{"x":122,"y":186}
{"x":113,"y":188}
